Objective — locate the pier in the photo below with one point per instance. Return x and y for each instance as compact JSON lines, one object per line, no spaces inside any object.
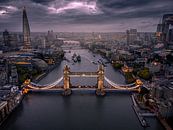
{"x":137,"y":111}
{"x":140,"y":117}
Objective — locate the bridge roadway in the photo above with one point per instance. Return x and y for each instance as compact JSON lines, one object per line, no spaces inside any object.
{"x":79,"y":88}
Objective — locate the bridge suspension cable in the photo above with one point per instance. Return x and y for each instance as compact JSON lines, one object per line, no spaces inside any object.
{"x":121,"y":87}
{"x":128,"y":85}
{"x":46,"y":86}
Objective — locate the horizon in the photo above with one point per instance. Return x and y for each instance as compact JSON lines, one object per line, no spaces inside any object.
{"x":70,"y":32}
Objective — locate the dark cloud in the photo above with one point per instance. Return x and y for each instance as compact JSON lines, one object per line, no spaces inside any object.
{"x":4,"y":1}
{"x":124,"y":3}
{"x":84,"y":15}
{"x":44,"y":2}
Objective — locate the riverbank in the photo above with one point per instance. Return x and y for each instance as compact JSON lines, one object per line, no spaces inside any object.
{"x":143,"y":112}
{"x":8,"y":106}
{"x":13,"y":100}
{"x":44,"y":74}
{"x":138,"y":112}
{"x":148,"y":112}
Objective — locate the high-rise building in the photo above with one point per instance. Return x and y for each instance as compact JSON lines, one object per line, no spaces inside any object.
{"x":50,"y":36}
{"x":165,"y":26}
{"x":167,"y":22}
{"x":3,"y":71}
{"x":13,"y":40}
{"x":14,"y":75}
{"x":131,"y":36}
{"x":159,"y":27}
{"x":171,"y":35}
{"x":164,"y":31}
{"x":26,"y":32}
{"x":159,"y":32}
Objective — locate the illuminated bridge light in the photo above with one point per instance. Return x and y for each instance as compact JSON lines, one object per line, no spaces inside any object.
{"x":139,"y":82}
{"x":25,"y":91}
{"x":28,"y":81}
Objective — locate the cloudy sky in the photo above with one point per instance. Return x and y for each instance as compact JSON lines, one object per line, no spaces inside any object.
{"x":84,"y":15}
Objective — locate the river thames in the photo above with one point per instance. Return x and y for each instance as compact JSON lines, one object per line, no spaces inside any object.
{"x":80,"y":111}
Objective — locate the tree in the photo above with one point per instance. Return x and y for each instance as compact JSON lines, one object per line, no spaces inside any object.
{"x":117,"y":65}
{"x":129,"y":77}
{"x":144,"y":73}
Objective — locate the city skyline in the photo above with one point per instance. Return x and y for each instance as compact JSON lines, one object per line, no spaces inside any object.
{"x":84,"y":16}
{"x":121,"y":50}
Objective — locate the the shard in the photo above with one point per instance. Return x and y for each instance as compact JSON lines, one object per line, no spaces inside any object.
{"x":26,"y":32}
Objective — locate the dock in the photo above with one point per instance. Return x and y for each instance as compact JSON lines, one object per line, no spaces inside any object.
{"x":140,"y":117}
{"x":148,"y":114}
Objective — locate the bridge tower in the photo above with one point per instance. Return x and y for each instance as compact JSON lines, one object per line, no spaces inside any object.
{"x":66,"y":78}
{"x":100,"y":81}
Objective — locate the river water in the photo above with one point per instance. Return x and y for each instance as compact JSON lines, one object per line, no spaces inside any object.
{"x":80,"y":111}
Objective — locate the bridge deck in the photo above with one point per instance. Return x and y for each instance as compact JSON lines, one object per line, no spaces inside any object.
{"x":81,"y":88}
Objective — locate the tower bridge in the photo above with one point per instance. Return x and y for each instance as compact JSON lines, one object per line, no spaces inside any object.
{"x":67,"y":87}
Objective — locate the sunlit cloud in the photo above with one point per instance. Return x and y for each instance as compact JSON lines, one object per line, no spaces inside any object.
{"x":11,"y":8}
{"x":3,"y":12}
{"x":81,"y":7}
{"x":7,"y":9}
